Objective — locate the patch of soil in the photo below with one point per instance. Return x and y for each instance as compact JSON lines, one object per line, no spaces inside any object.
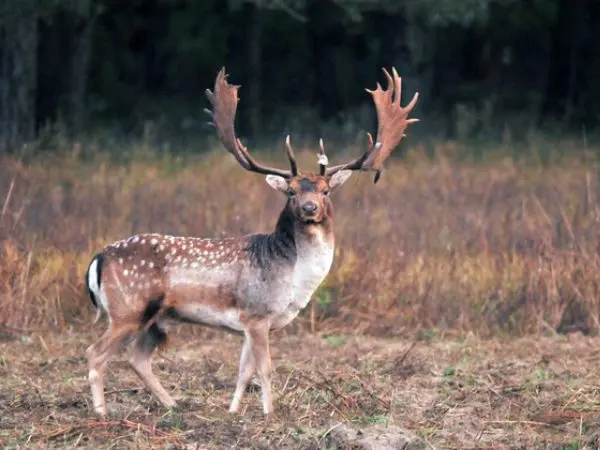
{"x":356,"y":392}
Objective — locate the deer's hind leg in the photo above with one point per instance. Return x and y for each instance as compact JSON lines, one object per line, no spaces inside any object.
{"x":141,"y":362}
{"x":98,"y":356}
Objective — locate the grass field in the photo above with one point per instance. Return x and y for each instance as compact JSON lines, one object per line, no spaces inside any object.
{"x":432,"y":393}
{"x":461,"y":310}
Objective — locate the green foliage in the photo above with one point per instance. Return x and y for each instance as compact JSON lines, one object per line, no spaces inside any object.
{"x":284,"y":5}
{"x":171,"y":420}
{"x":378,"y":418}
{"x":449,"y":372}
{"x":336,"y":340}
{"x":479,"y":64}
{"x":465,"y":13}
{"x":43,"y":9}
{"x":198,"y":46}
{"x":323,"y":298}
{"x":573,"y":445}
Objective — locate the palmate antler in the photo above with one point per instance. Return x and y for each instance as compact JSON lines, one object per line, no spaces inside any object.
{"x":224,"y":102}
{"x":392,"y":120}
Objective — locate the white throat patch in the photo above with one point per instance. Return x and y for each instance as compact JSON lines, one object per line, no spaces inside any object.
{"x":312,"y":266}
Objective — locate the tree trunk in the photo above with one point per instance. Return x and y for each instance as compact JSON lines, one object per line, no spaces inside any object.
{"x":255,"y":81}
{"x":556,"y":95}
{"x":18,"y":76}
{"x":579,"y":23}
{"x":418,"y":63}
{"x":80,"y":64}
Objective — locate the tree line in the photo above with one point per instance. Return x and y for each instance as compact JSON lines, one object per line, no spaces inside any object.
{"x":480,"y":65}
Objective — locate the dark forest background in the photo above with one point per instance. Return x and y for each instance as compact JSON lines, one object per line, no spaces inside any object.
{"x":481,"y":66}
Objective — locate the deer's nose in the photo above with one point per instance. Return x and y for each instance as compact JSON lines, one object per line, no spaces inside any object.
{"x":309,"y":207}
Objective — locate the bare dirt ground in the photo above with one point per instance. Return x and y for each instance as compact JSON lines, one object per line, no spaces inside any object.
{"x":331,"y":391}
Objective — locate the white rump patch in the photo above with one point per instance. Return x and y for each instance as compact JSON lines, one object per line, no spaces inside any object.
{"x":97,"y":290}
{"x":93,"y":281}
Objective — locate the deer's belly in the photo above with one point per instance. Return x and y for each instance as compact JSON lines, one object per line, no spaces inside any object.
{"x":200,"y":313}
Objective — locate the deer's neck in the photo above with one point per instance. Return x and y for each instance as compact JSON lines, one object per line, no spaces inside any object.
{"x":290,"y":239}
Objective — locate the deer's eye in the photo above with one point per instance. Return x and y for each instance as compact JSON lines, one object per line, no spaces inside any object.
{"x":291,"y":193}
{"x":326,"y":193}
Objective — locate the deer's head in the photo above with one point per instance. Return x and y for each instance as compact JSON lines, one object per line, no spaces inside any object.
{"x":308,"y":194}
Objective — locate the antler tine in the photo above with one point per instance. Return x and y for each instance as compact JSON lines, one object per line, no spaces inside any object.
{"x":397,"y":86}
{"x":391,"y":86}
{"x":392,"y":120}
{"x":290,"y":155}
{"x":224,"y":105}
{"x":322,"y":159}
{"x":370,"y":136}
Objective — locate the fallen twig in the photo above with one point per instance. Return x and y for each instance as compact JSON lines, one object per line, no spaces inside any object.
{"x":118,"y":391}
{"x":329,"y":431}
{"x":382,"y":402}
{"x":519,"y":422}
{"x":333,"y":390}
{"x":327,"y":385}
{"x":138,"y":426}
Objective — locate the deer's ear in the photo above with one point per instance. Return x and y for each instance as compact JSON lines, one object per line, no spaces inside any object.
{"x":339,"y":178}
{"x":278,"y":183}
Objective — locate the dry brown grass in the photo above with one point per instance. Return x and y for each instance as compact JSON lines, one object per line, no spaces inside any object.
{"x":442,"y":253}
{"x":503,"y":246}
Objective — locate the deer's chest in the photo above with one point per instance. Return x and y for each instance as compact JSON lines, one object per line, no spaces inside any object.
{"x":311,"y":268}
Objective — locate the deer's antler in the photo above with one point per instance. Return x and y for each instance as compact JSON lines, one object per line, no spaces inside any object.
{"x":224,"y":101}
{"x":392,"y":120}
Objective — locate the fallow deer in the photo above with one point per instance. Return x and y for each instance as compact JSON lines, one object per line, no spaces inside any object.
{"x":250,"y":284}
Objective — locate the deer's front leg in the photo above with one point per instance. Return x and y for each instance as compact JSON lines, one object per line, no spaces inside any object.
{"x":259,"y":342}
{"x":245,"y":373}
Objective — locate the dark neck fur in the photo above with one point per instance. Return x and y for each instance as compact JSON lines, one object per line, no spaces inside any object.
{"x":281,"y":244}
